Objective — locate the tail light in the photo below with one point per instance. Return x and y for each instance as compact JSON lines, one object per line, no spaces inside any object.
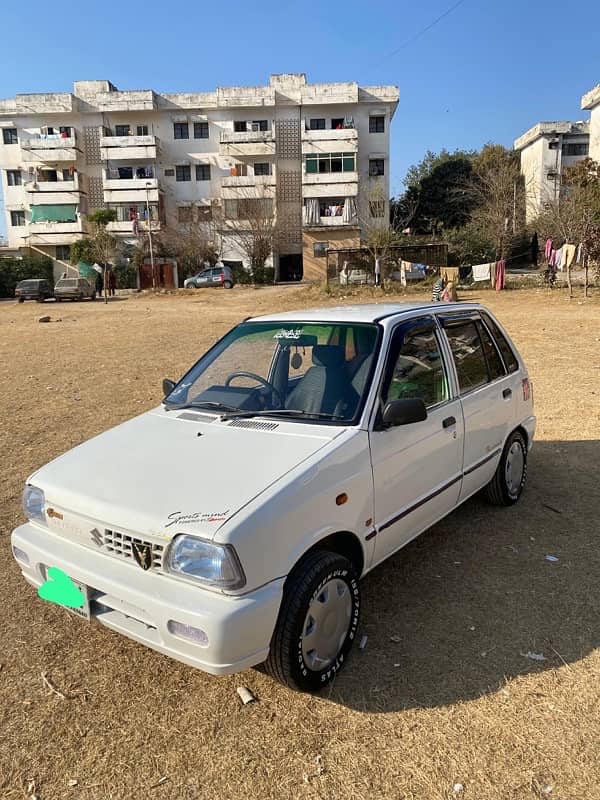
{"x":527,"y":389}
{"x":221,"y":277}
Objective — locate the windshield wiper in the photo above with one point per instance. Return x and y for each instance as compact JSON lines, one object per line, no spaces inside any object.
{"x":282,"y":412}
{"x":210,"y":404}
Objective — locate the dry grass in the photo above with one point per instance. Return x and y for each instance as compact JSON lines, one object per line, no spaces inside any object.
{"x":462,"y":603}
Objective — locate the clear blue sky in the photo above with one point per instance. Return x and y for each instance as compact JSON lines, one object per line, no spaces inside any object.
{"x":486,"y":71}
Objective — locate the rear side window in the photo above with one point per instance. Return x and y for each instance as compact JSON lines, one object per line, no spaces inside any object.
{"x":467,"y":350}
{"x":509,"y":357}
{"x":494,"y":362}
{"x":418,"y":369}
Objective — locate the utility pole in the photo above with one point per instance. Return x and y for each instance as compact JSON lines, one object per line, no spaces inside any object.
{"x":148,"y":184}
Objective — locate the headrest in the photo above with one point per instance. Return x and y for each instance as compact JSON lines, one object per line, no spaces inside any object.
{"x":327,"y":355}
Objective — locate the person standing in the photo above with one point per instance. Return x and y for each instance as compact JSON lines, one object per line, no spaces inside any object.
{"x":112,"y":283}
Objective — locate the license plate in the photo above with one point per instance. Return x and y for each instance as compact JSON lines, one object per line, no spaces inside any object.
{"x":84,"y":610}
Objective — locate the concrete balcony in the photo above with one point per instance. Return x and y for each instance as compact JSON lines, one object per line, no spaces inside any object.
{"x":330,"y":184}
{"x":55,"y":232}
{"x":247,"y":143}
{"x":130,"y":190}
{"x":128,"y":148}
{"x":46,"y":149}
{"x":331,"y":222}
{"x":125,"y":227}
{"x":54,"y":192}
{"x":344,"y":140}
{"x":240,"y":186}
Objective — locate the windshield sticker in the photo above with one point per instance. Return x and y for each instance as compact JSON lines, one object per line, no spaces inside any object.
{"x":294,"y":333}
{"x":178,"y":518}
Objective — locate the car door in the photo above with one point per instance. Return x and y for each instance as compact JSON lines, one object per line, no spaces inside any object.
{"x":487,"y":393}
{"x":417,"y":468}
{"x":215,"y":276}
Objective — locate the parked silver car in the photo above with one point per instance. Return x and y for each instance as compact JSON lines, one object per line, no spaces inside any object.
{"x":74,"y":289}
{"x":215,"y":276}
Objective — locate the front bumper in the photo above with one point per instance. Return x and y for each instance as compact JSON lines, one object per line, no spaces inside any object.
{"x":139,"y":604}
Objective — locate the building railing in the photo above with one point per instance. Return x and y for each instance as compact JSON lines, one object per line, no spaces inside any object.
{"x":48,"y":142}
{"x":247,"y":137}
{"x":128,"y":141}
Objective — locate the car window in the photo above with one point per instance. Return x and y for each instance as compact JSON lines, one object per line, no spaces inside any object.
{"x":494,"y":362}
{"x":67,"y":282}
{"x":512,"y":365}
{"x":418,"y":369}
{"x":471,"y":366}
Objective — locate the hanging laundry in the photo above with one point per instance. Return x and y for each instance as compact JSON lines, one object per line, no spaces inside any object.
{"x":450,"y":274}
{"x":548,"y":249}
{"x":481,"y":272}
{"x":568,"y":255}
{"x":558,"y":258}
{"x":493,"y":274}
{"x":579,"y":253}
{"x":134,"y":227}
{"x":500,"y":275}
{"x":552,"y":259}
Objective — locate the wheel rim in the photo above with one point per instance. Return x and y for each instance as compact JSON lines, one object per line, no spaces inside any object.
{"x":515,"y":464}
{"x":326,"y":624}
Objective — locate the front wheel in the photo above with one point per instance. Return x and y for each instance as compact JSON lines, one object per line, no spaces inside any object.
{"x":21,"y":299}
{"x":317,"y":622}
{"x":506,"y":486}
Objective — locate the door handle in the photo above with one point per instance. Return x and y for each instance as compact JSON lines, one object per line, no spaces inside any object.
{"x":507,"y":393}
{"x":448,"y":422}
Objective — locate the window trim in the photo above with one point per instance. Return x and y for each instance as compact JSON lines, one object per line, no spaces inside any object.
{"x":13,"y":172}
{"x":201,"y":126}
{"x":14,"y":136}
{"x":199,"y":168}
{"x":183,"y":167}
{"x":179,"y":126}
{"x":377,"y":117}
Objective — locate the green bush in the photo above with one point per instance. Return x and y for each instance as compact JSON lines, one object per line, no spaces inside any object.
{"x":126,"y":275}
{"x":263,"y":275}
{"x":13,"y":270}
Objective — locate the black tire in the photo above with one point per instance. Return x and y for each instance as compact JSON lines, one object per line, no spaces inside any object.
{"x":227,"y":285}
{"x":93,"y":296}
{"x":21,"y":299}
{"x":58,"y":299}
{"x":311,"y":579}
{"x":501,"y":490}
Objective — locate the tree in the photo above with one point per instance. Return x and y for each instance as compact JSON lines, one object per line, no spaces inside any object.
{"x":574,"y":216}
{"x":251,"y":222}
{"x":435,"y":197}
{"x":104,"y":244}
{"x":497,"y":193}
{"x":193,"y":244}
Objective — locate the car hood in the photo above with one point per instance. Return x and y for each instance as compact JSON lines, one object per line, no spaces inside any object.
{"x":170,"y":472}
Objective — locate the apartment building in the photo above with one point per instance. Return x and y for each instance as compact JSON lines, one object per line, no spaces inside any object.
{"x":317,"y":155}
{"x":591,"y":102}
{"x":546,"y":150}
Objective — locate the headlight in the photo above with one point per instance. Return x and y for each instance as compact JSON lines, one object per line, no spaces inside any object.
{"x":34,"y":503}
{"x":212,"y":564}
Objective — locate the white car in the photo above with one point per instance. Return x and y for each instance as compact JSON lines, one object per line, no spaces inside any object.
{"x":231,"y":525}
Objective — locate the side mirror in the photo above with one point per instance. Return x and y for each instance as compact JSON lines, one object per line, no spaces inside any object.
{"x":167,"y":386}
{"x":404,"y":412}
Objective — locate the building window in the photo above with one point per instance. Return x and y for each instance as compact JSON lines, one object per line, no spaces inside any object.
{"x":183,"y":173}
{"x":204,"y":213}
{"x":331,"y":207}
{"x":262,"y":168}
{"x":376,"y":124}
{"x":142,"y":130}
{"x":65,"y":131}
{"x":575,"y":149}
{"x":337,"y":123}
{"x":17,"y":218}
{"x":13,"y":177}
{"x":200,"y":130}
{"x":376,"y":167}
{"x":320,"y":249}
{"x":202,"y":172}
{"x":184,"y":214}
{"x":169,"y":173}
{"x":330,"y":162}
{"x":181,"y":130}
{"x":9,"y":136}
{"x":239,"y":126}
{"x":377,"y":208}
{"x":260,"y":125}
{"x":317,"y":124}
{"x":553,"y":144}
{"x":63,"y":252}
{"x":123,"y":130}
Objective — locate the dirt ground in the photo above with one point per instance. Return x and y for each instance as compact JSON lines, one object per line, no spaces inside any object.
{"x":442,"y":695}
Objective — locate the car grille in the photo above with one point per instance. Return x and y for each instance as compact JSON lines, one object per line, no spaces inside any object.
{"x":120,"y":545}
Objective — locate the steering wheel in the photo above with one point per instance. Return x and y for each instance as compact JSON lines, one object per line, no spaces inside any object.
{"x":273,"y":389}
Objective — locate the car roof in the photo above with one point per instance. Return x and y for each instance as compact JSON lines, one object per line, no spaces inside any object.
{"x":366,"y":312}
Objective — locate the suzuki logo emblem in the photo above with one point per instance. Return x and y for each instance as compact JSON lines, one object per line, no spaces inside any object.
{"x":142,"y":552}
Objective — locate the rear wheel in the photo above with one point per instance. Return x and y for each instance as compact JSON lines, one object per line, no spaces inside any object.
{"x":21,"y":299}
{"x":317,"y":622}
{"x":506,"y":486}
{"x":227,"y":285}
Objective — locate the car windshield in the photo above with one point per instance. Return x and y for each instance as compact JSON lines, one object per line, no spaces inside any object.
{"x":293,"y":369}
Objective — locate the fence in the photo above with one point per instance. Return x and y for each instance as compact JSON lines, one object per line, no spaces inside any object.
{"x":361,"y":264}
